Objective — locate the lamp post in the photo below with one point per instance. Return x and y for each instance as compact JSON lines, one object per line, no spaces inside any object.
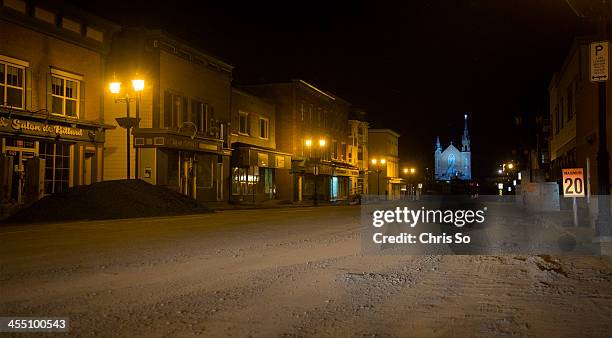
{"x":376,"y":163}
{"x":601,"y":12}
{"x":308,"y":144}
{"x":128,"y":122}
{"x":409,"y":173}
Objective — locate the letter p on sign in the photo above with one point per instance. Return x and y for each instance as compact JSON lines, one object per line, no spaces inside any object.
{"x":573,"y":182}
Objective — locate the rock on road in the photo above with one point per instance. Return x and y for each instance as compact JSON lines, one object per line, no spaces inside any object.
{"x":286,"y":272}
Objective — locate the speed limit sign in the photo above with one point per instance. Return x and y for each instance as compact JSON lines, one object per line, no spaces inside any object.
{"x":573,"y":182}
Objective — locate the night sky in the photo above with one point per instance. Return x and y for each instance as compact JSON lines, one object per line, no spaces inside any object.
{"x":414,"y":66}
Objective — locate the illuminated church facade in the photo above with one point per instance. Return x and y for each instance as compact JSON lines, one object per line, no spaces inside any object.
{"x":453,"y":163}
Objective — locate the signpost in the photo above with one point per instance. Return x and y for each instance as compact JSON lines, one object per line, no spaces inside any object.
{"x":573,"y":186}
{"x":599,"y":61}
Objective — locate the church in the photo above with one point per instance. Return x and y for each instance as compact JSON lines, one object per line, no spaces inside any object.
{"x":452,"y":163}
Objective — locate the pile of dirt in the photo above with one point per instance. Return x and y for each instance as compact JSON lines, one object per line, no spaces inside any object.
{"x":109,"y":200}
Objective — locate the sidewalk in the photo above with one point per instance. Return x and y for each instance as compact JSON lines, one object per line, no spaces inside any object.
{"x":272,"y":204}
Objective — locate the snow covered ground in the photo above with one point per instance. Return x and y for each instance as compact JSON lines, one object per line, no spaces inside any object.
{"x":286,"y":272}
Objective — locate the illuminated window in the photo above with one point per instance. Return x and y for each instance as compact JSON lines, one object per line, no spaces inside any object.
{"x":263,"y":127}
{"x":12,"y":85}
{"x":243,"y":123}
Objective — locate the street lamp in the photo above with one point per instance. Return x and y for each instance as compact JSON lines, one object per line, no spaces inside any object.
{"x":308,"y":144}
{"x":376,"y":163}
{"x":128,"y":122}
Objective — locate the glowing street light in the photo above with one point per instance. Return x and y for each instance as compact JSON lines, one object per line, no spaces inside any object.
{"x":405,"y":170}
{"x":115,"y":87}
{"x":308,"y":142}
{"x":376,"y":163}
{"x":128,"y":122}
{"x":412,"y":170}
{"x":138,"y":85}
{"x":322,"y":142}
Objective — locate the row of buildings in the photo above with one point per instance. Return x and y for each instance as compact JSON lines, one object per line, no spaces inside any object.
{"x":568,"y":136}
{"x":193,"y":131}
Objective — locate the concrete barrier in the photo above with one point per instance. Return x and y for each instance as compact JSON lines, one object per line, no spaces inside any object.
{"x":543,"y":196}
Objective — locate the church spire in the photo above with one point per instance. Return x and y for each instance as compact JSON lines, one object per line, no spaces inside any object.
{"x":438,"y":146}
{"x":465,"y":140}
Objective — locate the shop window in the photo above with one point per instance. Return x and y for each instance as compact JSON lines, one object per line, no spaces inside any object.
{"x":57,"y":166}
{"x":244,"y":180}
{"x":263,"y":127}
{"x":243,"y":123}
{"x":12,"y":85}
{"x":65,"y":96}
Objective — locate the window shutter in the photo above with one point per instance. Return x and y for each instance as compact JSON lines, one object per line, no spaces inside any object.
{"x":28,"y":93}
{"x":49,"y":96}
{"x":81,"y":112}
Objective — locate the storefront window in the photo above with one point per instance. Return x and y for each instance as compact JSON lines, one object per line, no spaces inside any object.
{"x":244,"y":180}
{"x":57,"y":166}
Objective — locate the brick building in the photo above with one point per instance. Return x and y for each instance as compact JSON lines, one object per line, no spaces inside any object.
{"x":312,"y":125}
{"x":52,"y":126}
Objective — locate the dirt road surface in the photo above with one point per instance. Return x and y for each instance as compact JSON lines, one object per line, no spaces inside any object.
{"x":286,"y":272}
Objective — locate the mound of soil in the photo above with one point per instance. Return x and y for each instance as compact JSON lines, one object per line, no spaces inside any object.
{"x":109,"y":200}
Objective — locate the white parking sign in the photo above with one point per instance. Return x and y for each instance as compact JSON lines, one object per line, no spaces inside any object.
{"x":599,"y":61}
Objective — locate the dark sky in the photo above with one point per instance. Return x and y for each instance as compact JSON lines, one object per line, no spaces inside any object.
{"x":415,"y":66}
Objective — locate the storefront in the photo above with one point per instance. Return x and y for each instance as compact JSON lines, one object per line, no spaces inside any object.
{"x":44,"y":154}
{"x":342,"y":182}
{"x":329,"y":181}
{"x":254,"y":171}
{"x":195,"y":166}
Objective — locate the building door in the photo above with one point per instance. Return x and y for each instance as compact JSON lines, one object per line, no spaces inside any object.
{"x":21,"y":151}
{"x":300,"y":192}
{"x":269,"y":188}
{"x":334,"y":188}
{"x":87,"y":169}
{"x":219,"y":181}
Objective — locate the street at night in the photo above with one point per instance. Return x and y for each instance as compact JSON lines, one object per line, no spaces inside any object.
{"x":425,"y":168}
{"x":286,"y":272}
